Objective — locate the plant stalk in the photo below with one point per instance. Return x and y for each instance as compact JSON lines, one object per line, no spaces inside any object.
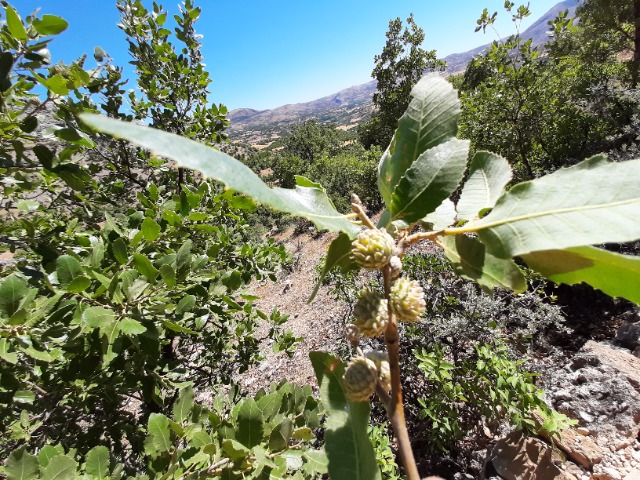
{"x":396,"y":408}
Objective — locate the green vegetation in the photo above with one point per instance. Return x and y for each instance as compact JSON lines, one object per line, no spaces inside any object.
{"x":124,"y":310}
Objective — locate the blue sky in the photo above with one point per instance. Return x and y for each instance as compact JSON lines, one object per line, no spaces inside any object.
{"x":266,"y":53}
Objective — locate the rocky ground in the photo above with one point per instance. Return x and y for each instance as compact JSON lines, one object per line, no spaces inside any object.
{"x":597,"y":384}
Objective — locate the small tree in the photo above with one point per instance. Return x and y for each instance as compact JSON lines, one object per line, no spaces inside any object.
{"x":398,"y":68}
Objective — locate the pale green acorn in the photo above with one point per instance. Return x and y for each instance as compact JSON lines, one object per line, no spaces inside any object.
{"x":371,"y":312}
{"x":381,"y":359}
{"x":360,"y":378}
{"x":407,"y":300}
{"x":373,"y":248}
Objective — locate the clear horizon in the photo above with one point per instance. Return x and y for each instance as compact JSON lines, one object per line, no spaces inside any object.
{"x":262,"y":56}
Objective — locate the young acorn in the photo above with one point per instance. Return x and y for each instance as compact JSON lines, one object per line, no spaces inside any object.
{"x":371,"y":313}
{"x":360,"y":378}
{"x":407,"y":299}
{"x":373,"y":248}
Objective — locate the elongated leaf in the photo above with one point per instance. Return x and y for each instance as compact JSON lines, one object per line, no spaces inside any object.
{"x":572,"y":207}
{"x":615,"y":274}
{"x":339,"y":255}
{"x":98,"y":317}
{"x":234,"y":450}
{"x":144,"y":266}
{"x":250,"y":424}
{"x":78,"y":284}
{"x":182,"y":408}
{"x":68,"y":268}
{"x":280,"y":435}
{"x":21,"y":465}
{"x":489,"y":174}
{"x":98,"y":462}
{"x":430,"y":119}
{"x":308,"y":202}
{"x":119,"y":249}
{"x":15,"y":25}
{"x":429,"y":181}
{"x":159,"y":439}
{"x":131,"y":327}
{"x":347,"y":444}
{"x":12,"y":290}
{"x":150,"y":229}
{"x":50,"y":25}
{"x":470,"y":260}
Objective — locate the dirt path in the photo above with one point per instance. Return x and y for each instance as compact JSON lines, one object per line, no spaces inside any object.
{"x":319,"y":324}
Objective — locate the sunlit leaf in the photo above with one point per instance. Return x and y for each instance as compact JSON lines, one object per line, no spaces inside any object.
{"x":339,"y":255}
{"x":307,"y":202}
{"x":615,"y":274}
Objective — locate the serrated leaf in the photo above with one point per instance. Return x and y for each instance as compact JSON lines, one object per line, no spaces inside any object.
{"x":150,"y":229}
{"x":144,"y":267}
{"x":234,"y":450}
{"x":470,"y":260}
{"x":60,"y":468}
{"x":489,"y":174}
{"x":98,"y":317}
{"x":12,"y":290}
{"x":442,"y":217}
{"x":5,"y":354}
{"x":280,"y":435}
{"x":182,"y":408}
{"x":347,"y":444}
{"x":250,"y":426}
{"x":429,"y":181}
{"x":569,"y":208}
{"x":159,"y":437}
{"x":50,"y":25}
{"x":131,"y":327}
{"x":430,"y":119}
{"x":338,"y":255}
{"x":14,"y":24}
{"x":21,"y":465}
{"x":68,"y":268}
{"x":316,"y":462}
{"x":98,"y":462}
{"x":615,"y":274}
{"x":48,"y":452}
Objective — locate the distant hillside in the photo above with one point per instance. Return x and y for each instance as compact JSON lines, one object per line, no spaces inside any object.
{"x":351,"y":106}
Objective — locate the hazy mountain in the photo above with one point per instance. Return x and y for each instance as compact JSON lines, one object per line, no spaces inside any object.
{"x":350,"y":106}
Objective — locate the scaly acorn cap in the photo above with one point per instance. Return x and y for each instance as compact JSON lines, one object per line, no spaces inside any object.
{"x":407,"y":300}
{"x":381,"y":359}
{"x":373,"y":248}
{"x":360,"y":378}
{"x":371,"y":312}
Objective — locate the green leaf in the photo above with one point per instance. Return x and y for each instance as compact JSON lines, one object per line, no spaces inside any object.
{"x":316,"y":462}
{"x":150,"y":229}
{"x":182,"y":408}
{"x":144,"y":266}
{"x":615,"y":274}
{"x":50,"y":25}
{"x":29,"y":124}
{"x":24,"y":396}
{"x":119,"y":249}
{"x":442,"y":217}
{"x":98,"y":317}
{"x":98,"y":462}
{"x":488,"y":176}
{"x":131,"y":327}
{"x":339,"y":255}
{"x":347,"y":444}
{"x":569,"y":208}
{"x":78,"y":284}
{"x":280,"y":435}
{"x":186,"y":304}
{"x":5,"y":354}
{"x":21,"y":465}
{"x":68,"y":268}
{"x":310,"y":203}
{"x":234,"y":450}
{"x":430,"y":119}
{"x":470,"y":260}
{"x":15,"y":25}
{"x":12,"y":290}
{"x":48,"y":452}
{"x":58,"y":85}
{"x":159,"y":439}
{"x":250,"y":427}
{"x":183,"y":257}
{"x":429,"y":181}
{"x":60,"y":468}
{"x":168,"y":274}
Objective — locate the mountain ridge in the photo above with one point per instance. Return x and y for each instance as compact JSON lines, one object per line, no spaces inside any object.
{"x":349,"y":106}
